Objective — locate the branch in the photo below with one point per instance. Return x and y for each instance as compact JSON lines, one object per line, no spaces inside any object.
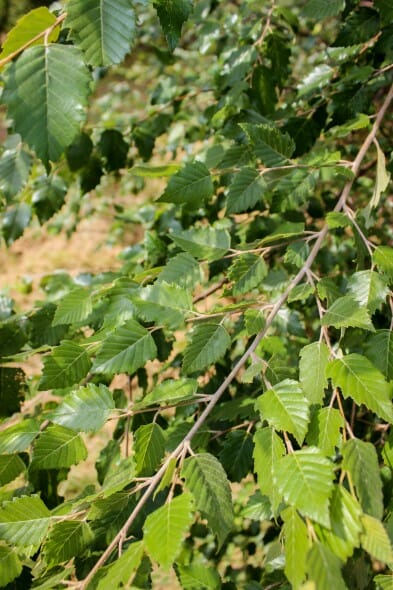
{"x":184,"y":444}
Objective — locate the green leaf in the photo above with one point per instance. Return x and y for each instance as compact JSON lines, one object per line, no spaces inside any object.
{"x":375,"y":539}
{"x":181,"y":269}
{"x":27,"y":28}
{"x":46,"y":92}
{"x":346,"y":312}
{"x":24,"y":521}
{"x":357,"y":378}
{"x":361,"y":461}
{"x":120,"y":474}
{"x":125,"y":350}
{"x":165,"y":304}
{"x":58,"y":447}
{"x":369,"y":289}
{"x":285,"y":408}
{"x":335,"y":219}
{"x":345,"y":515}
{"x":379,"y":349}
{"x":66,"y":540}
{"x":172,"y":15}
{"x":203,"y":242}
{"x":154,"y":171}
{"x":10,"y":565}
{"x":383,"y":258}
{"x":245,"y":191}
{"x":67,"y":365}
{"x":12,"y":390}
{"x":247,"y":273}
{"x":383,"y":582}
{"x":324,"y":568}
{"x":209,"y":343}
{"x":319,"y":9}
{"x":15,"y":167}
{"x":19,"y":437}
{"x":197,"y":576}
{"x":268,"y":450}
{"x":300,"y":292}
{"x":149,"y":448}
{"x":75,"y":307}
{"x":105,"y":30}
{"x":85,"y":409}
{"x":165,"y":528}
{"x":122,"y":571}
{"x":313,"y":361}
{"x":269,"y":144}
{"x":305,"y":480}
{"x":207,"y":481}
{"x":171,"y":391}
{"x":325,"y":430}
{"x":382,"y":177}
{"x":15,"y":220}
{"x":236,"y":454}
{"x":192,"y":185}
{"x":296,"y":546}
{"x":10,"y":467}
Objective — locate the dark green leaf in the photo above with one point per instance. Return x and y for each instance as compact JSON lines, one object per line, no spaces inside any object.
{"x":12,"y":390}
{"x":361,"y":461}
{"x":104,"y":31}
{"x":114,"y":149}
{"x":46,"y":92}
{"x":245,"y":191}
{"x":206,"y":479}
{"x":66,"y":540}
{"x":149,"y":448}
{"x":236,"y":454}
{"x":74,"y":307}
{"x":15,"y":167}
{"x":181,"y":269}
{"x":10,"y":467}
{"x":10,"y":565}
{"x":209,"y":343}
{"x":247,"y":273}
{"x":192,"y":185}
{"x":269,"y":144}
{"x":319,"y":9}
{"x":14,"y":222}
{"x":379,"y":349}
{"x":165,"y":304}
{"x":67,"y":365}
{"x":172,"y":14}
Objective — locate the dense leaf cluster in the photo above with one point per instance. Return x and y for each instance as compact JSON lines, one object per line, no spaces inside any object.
{"x":250,"y":444}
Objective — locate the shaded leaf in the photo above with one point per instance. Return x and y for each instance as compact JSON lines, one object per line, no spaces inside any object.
{"x":15,"y":167}
{"x":209,"y":343}
{"x":120,"y":474}
{"x":360,"y":459}
{"x":165,"y":528}
{"x":24,"y":521}
{"x":14,"y":222}
{"x":165,"y":304}
{"x":172,"y":15}
{"x":125,"y":350}
{"x":104,"y":30}
{"x":192,"y":185}
{"x":285,"y":407}
{"x":379,"y":349}
{"x":357,"y":378}
{"x":319,"y":77}
{"x":85,"y":409}
{"x":66,"y":540}
{"x":10,"y":565}
{"x":236,"y":454}
{"x":305,"y":480}
{"x":10,"y":467}
{"x":269,"y":144}
{"x":245,"y":191}
{"x":247,"y":273}
{"x":171,"y":391}
{"x":58,"y":447}
{"x":207,"y":481}
{"x":46,"y":92}
{"x":67,"y":365}
{"x":319,"y":9}
{"x":181,"y":269}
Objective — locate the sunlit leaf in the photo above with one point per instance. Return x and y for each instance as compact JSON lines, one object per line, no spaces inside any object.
{"x":30,"y":29}
{"x":58,"y":447}
{"x":24,"y":521}
{"x":324,"y":568}
{"x":375,"y":539}
{"x":123,"y":570}
{"x":296,"y":545}
{"x":67,"y":365}
{"x":313,"y":361}
{"x":10,"y":565}
{"x":268,"y":450}
{"x":346,"y":312}
{"x":85,"y":409}
{"x":325,"y":431}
